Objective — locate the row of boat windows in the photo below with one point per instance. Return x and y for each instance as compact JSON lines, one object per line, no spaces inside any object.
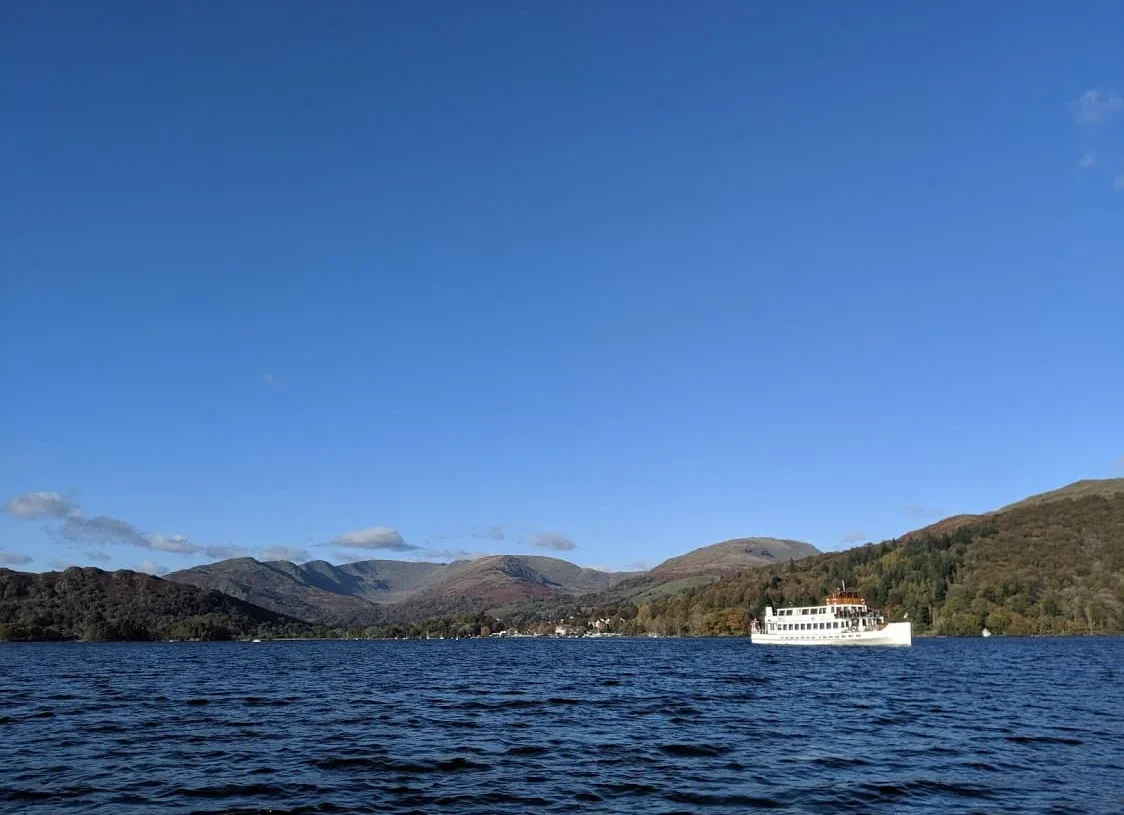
{"x":808,"y":626}
{"x":788,"y":612}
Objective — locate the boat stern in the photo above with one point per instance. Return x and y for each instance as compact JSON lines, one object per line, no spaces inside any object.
{"x":898,"y":633}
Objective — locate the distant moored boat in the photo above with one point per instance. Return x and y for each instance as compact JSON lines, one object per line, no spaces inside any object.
{"x":844,"y":619}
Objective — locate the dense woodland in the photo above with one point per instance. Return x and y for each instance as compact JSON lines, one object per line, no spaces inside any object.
{"x":1055,"y":567}
{"x":90,"y":604}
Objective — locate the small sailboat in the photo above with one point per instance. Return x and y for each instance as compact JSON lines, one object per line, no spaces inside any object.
{"x":985,"y":633}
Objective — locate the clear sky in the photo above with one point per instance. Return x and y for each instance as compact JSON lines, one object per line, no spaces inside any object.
{"x":603,"y":280}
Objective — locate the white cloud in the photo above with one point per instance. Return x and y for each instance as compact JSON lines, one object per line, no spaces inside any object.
{"x":171,"y":543}
{"x":293,"y":553}
{"x":856,"y":537}
{"x":1118,"y":183}
{"x":103,"y":529}
{"x":152,"y":568}
{"x":99,"y":530}
{"x":1087,"y":160}
{"x":268,"y":378}
{"x":14,"y":559}
{"x":553,"y":541}
{"x":34,"y":505}
{"x":375,"y":537}
{"x":1097,"y":105}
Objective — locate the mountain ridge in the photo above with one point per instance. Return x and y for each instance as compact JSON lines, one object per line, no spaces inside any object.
{"x":373,"y":590}
{"x":1052,"y":563}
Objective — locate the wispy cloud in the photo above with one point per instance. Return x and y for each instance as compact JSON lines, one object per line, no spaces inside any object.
{"x":553,"y":541}
{"x":638,"y":566}
{"x":453,"y":554}
{"x":14,"y":559}
{"x":856,"y":537}
{"x":268,"y":378}
{"x":150,"y":567}
{"x":1092,"y":111}
{"x":1119,"y":463}
{"x":99,"y":530}
{"x":38,"y":505}
{"x":382,"y":538}
{"x":492,"y":533}
{"x":170,"y":543}
{"x":69,"y":524}
{"x":1096,"y":106}
{"x":293,"y":553}
{"x":921,"y":511}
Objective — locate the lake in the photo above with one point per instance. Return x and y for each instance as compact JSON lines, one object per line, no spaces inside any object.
{"x":626,"y":726}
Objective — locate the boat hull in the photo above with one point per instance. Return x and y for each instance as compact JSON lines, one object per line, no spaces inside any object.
{"x":892,"y":634}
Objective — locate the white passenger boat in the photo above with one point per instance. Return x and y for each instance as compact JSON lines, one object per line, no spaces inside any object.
{"x":843,"y":619}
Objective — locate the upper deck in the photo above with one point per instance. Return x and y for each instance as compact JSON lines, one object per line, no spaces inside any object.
{"x":838,"y":604}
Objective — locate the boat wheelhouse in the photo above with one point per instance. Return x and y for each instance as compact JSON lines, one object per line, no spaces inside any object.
{"x":843,"y":619}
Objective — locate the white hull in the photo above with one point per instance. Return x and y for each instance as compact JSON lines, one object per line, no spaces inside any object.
{"x":890,"y":634}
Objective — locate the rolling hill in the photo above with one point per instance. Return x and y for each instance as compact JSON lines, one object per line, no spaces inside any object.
{"x":315,"y":591}
{"x":372,"y":591}
{"x":1050,"y":564}
{"x":733,"y":556}
{"x":88,"y":603}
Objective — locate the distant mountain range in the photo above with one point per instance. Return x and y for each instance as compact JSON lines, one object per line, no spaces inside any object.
{"x":376,"y":590}
{"x":1052,"y":563}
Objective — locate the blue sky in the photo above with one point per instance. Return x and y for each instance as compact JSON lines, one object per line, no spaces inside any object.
{"x":603,"y":280}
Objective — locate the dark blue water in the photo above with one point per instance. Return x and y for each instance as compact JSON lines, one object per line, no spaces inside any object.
{"x":630,"y":726}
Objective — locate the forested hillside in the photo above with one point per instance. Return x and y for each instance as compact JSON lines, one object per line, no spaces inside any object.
{"x":1045,"y":568}
{"x":90,"y":604}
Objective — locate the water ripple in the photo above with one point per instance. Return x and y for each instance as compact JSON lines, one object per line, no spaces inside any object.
{"x":628,"y":726}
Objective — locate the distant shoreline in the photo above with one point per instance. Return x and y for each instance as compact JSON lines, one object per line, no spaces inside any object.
{"x":631,"y":638}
